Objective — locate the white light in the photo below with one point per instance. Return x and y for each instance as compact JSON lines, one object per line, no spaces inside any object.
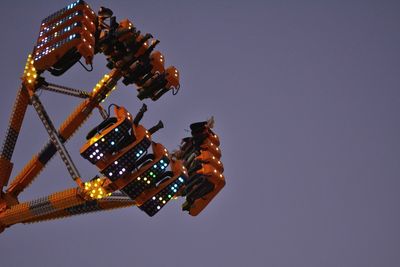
{"x":101,"y":154}
{"x":123,"y":169}
{"x":110,"y":174}
{"x":158,"y":207}
{"x":98,"y":157}
{"x":91,"y":156}
{"x":97,"y":151}
{"x":154,"y":198}
{"x":115,"y":162}
{"x":120,"y":172}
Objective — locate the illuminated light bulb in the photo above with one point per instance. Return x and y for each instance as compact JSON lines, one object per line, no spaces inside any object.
{"x":93,"y":191}
{"x":154,"y":198}
{"x":96,"y":185}
{"x":138,"y":178}
{"x":96,"y":144}
{"x":116,"y":129}
{"x":102,"y":139}
{"x":116,"y":162}
{"x":164,"y":201}
{"x":91,"y":156}
{"x":98,"y":180}
{"x":112,"y":143}
{"x":91,"y":195}
{"x":137,"y":154}
{"x":215,"y":171}
{"x":217,"y":148}
{"x":155,"y":166}
{"x":98,"y":157}
{"x":158,"y":207}
{"x":220,"y":175}
{"x":219,"y":162}
{"x":145,"y":178}
{"x":181,"y":180}
{"x":110,"y":174}
{"x":160,"y":198}
{"x":101,"y":154}
{"x":169,"y":196}
{"x":148,"y":182}
{"x":148,"y":136}
{"x":120,"y":172}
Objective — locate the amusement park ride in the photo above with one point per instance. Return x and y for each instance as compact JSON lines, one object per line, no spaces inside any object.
{"x":134,"y":170}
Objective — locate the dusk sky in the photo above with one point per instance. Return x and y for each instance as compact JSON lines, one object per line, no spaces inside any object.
{"x":306,"y":99}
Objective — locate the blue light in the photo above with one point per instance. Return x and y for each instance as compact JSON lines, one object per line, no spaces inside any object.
{"x":181,"y":180}
{"x":175,"y":185}
{"x":112,"y":143}
{"x":161,"y":161}
{"x":162,"y":167}
{"x":137,"y":155}
{"x":155,"y":166}
{"x":140,"y":151}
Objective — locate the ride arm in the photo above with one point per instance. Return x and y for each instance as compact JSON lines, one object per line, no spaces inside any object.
{"x":67,"y":129}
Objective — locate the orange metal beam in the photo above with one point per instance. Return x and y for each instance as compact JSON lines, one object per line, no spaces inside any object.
{"x":67,"y":129}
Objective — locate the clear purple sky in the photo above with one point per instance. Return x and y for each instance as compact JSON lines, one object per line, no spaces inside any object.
{"x":306,"y":96}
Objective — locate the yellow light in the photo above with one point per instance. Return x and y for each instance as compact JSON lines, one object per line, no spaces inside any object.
{"x":98,"y":179}
{"x":148,"y":182}
{"x":29,"y":81}
{"x":91,"y":195}
{"x":93,"y":191}
{"x":96,"y":185}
